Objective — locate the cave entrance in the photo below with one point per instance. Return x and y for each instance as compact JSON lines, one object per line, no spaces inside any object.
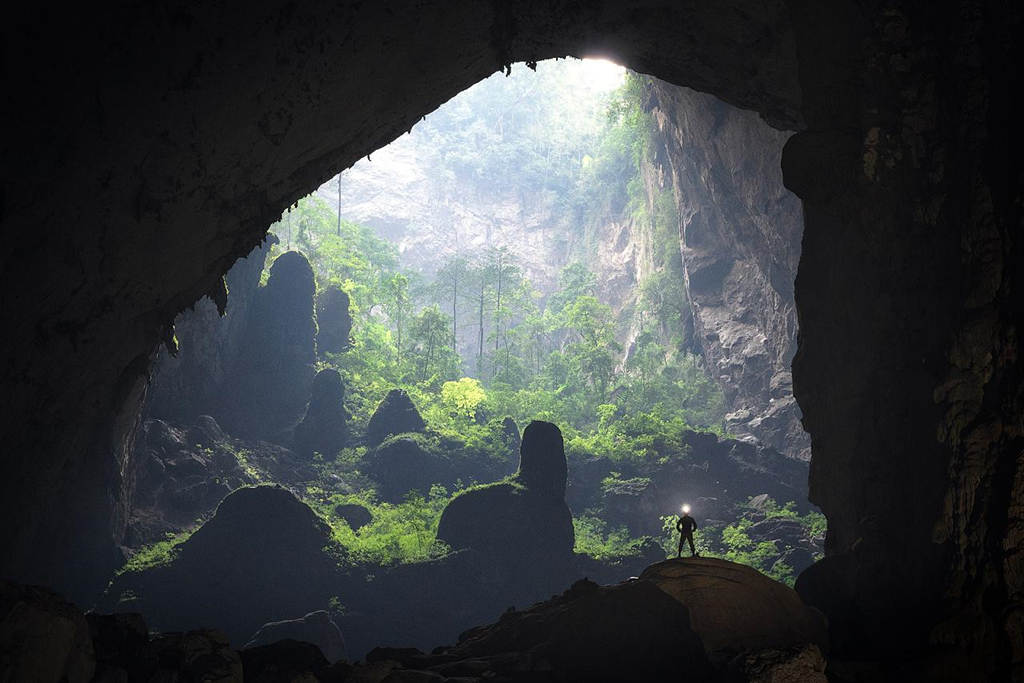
{"x":620,"y":253}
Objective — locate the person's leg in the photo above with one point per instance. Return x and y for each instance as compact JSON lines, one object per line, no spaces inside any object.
{"x":679,"y":551}
{"x":689,"y":539}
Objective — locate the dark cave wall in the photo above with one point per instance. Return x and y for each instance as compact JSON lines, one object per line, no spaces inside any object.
{"x":909,"y":299}
{"x":177,"y":133}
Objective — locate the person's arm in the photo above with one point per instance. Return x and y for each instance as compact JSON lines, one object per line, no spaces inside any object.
{"x":679,"y":525}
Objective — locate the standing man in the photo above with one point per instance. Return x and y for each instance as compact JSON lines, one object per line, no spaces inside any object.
{"x":686,"y":526}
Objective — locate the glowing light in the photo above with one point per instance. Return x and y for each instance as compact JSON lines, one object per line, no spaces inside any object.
{"x":601,"y":74}
{"x":686,"y":509}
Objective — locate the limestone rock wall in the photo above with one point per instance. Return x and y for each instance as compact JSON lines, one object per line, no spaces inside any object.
{"x":740,"y":232}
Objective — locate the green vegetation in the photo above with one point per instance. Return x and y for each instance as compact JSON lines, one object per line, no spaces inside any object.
{"x":478,"y":340}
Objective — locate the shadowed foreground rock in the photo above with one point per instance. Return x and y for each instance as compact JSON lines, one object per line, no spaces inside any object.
{"x":736,"y":608}
{"x":42,"y":637}
{"x":260,"y":557}
{"x":315,"y":628}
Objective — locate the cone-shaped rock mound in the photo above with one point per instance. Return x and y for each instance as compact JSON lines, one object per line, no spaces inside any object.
{"x":262,"y":556}
{"x":396,"y":414}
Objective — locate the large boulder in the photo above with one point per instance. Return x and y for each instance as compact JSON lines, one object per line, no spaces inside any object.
{"x":334,"y":321}
{"x":406,"y":463}
{"x":43,"y":638}
{"x":396,"y":414}
{"x":628,"y":632}
{"x":523,"y":517}
{"x":324,"y":429}
{"x":263,"y":554}
{"x":735,"y":608}
{"x":274,"y":369}
{"x":316,"y":628}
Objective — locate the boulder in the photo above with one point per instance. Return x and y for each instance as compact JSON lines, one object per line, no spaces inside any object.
{"x":355,"y":515}
{"x":404,"y":463}
{"x":524,"y":517}
{"x":396,"y":414}
{"x":121,"y":643}
{"x":324,"y":429}
{"x":334,"y":321}
{"x":290,"y":661}
{"x":315,"y":628}
{"x":198,"y":655}
{"x":735,"y":608}
{"x":43,"y":638}
{"x":264,"y":553}
{"x":628,"y":632}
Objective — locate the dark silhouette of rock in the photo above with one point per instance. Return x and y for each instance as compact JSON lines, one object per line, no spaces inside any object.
{"x":735,"y":608}
{"x":316,"y":628}
{"x":334,"y":322}
{"x":192,"y":382}
{"x":355,"y":515}
{"x":525,"y":516}
{"x":263,"y":554}
{"x":542,"y":466}
{"x":403,"y":463}
{"x":181,"y":474}
{"x":120,"y":642}
{"x":274,"y":369}
{"x":396,"y":414}
{"x":197,"y":655}
{"x":291,"y":661}
{"x":324,"y":429}
{"x":42,"y":637}
{"x":628,"y":632}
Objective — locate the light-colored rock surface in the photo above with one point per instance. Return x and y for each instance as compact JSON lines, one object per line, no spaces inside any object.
{"x":736,"y":608}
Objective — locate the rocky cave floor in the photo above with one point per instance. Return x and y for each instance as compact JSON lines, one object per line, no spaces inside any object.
{"x":707,"y":618}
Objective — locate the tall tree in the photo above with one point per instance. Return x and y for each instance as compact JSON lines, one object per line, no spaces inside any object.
{"x":451,"y":283}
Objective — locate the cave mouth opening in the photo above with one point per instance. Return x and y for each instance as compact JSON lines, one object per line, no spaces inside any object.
{"x":595,"y":262}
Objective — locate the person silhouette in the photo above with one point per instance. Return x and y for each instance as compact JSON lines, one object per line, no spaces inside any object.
{"x":686,"y":526}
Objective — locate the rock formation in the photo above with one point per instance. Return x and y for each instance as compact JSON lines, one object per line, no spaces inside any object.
{"x":740,"y":232}
{"x":396,"y":414}
{"x":523,"y":518}
{"x":355,"y":515}
{"x":333,"y":320}
{"x":402,"y":464}
{"x":316,"y":628}
{"x":260,"y":556}
{"x":42,"y":637}
{"x":324,"y":428}
{"x":181,"y":474}
{"x":273,"y":372}
{"x":908,"y":290}
{"x":210,"y":335}
{"x":735,"y":609}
